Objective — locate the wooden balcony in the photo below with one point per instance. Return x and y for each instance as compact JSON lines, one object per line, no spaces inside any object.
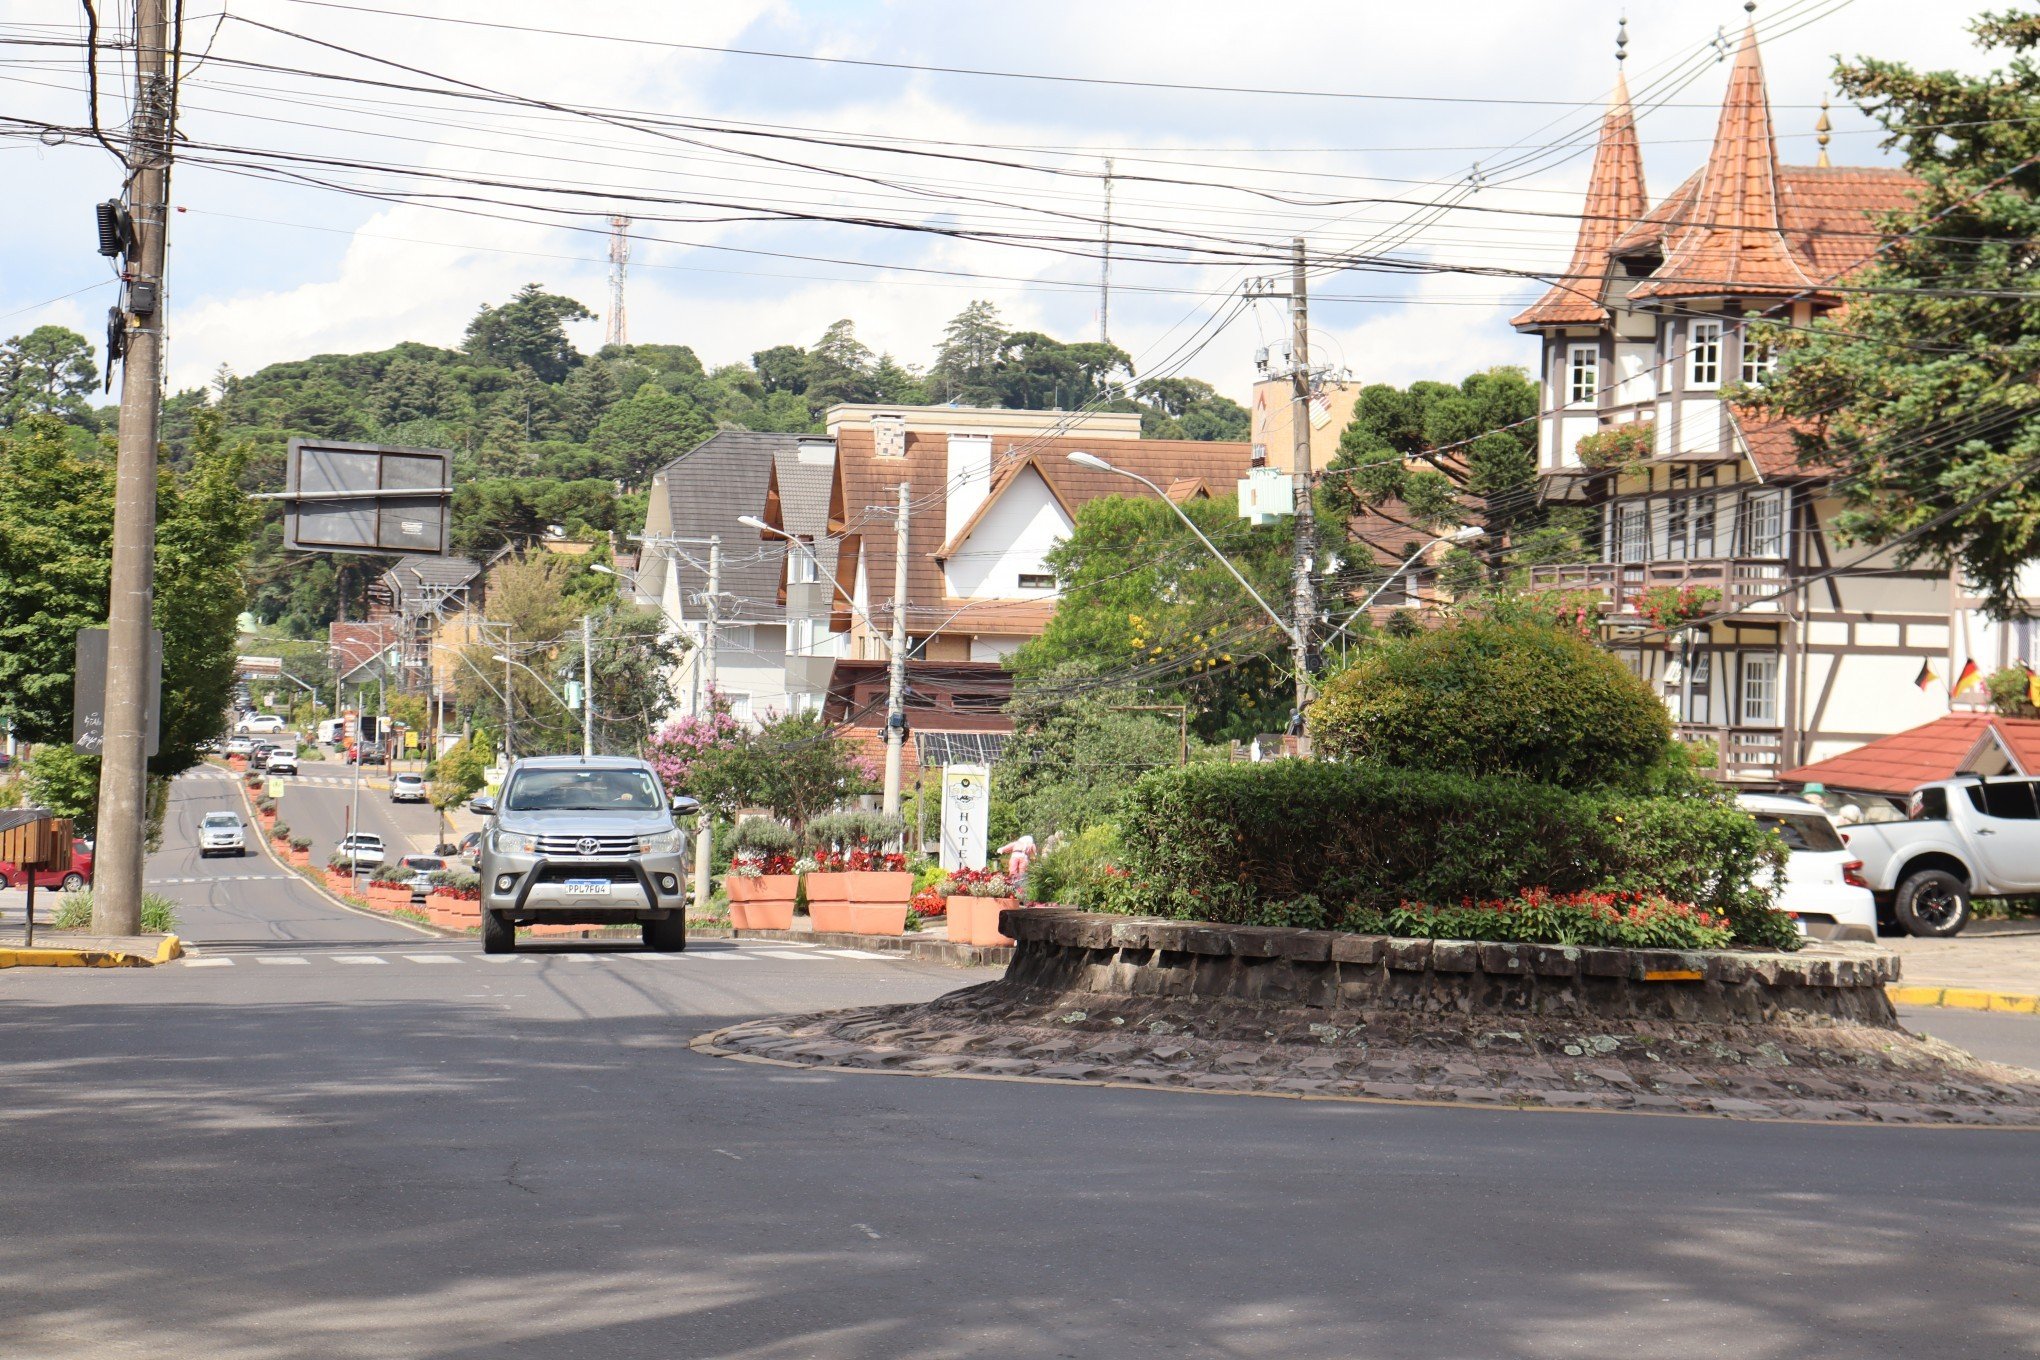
{"x":1748,"y":585}
{"x":1742,"y":754}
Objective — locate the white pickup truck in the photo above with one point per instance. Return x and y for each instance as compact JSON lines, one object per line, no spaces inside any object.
{"x":1961,"y":839}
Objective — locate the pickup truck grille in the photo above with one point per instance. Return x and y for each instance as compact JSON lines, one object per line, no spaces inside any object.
{"x":586,"y":847}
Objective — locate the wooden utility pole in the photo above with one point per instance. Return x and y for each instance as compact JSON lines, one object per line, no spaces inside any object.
{"x":896,"y":687}
{"x":123,"y":767}
{"x":1304,"y":552}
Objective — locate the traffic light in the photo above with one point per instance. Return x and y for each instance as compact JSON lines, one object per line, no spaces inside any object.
{"x":369,"y":726}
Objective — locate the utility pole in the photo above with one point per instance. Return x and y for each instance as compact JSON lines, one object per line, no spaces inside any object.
{"x":1304,"y":608}
{"x":509,"y":719}
{"x":704,"y":674}
{"x":587,"y":684}
{"x":896,"y":690}
{"x":123,"y":765}
{"x":1105,"y":266}
{"x":617,"y":331}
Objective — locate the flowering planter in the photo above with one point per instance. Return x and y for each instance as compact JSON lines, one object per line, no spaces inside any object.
{"x":765,"y":888}
{"x":975,"y":920}
{"x":301,"y":859}
{"x":761,"y":915}
{"x":340,"y":883}
{"x":868,"y":918}
{"x":831,"y":918}
{"x":828,"y":902}
{"x":878,"y":888}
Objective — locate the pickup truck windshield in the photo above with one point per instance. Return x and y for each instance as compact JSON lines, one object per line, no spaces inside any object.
{"x":218,"y":819}
{"x":583,"y":791}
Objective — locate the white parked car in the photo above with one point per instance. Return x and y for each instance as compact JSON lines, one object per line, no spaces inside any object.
{"x":408,"y":788}
{"x":1823,"y":883}
{"x":282,"y":762}
{"x":238,"y":746}
{"x":363,"y":850}
{"x":262,"y":722}
{"x":221,"y":833}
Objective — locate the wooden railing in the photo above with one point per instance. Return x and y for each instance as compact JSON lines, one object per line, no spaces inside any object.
{"x":1747,"y":584}
{"x":1741,"y":753}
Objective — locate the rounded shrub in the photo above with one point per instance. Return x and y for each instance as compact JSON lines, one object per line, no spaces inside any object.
{"x":1495,"y":698}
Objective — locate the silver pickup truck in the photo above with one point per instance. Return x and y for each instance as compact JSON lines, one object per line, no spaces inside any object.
{"x":585,"y":840}
{"x":1961,"y":839}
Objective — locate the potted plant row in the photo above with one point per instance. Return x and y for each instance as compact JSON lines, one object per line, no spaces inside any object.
{"x":455,"y":901}
{"x":390,"y":887}
{"x":857,"y":886}
{"x":339,"y":875}
{"x":762,"y":884}
{"x":975,"y":899}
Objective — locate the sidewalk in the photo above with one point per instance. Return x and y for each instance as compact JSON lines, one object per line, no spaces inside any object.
{"x":76,"y":949}
{"x":1992,"y":965}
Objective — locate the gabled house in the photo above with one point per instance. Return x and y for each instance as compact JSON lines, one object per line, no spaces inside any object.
{"x":989,"y":493}
{"x":1644,"y":346}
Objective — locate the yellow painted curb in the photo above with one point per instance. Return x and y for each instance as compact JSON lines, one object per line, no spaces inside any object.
{"x":1965,"y":998}
{"x":170,"y":947}
{"x":70,"y":958}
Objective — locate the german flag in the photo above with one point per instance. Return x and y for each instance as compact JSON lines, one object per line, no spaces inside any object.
{"x":1927,"y":677}
{"x":1970,"y":678}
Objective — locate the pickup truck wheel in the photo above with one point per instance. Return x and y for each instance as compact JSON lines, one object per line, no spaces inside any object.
{"x":1933,"y":903}
{"x":668,"y":936}
{"x":498,"y":935}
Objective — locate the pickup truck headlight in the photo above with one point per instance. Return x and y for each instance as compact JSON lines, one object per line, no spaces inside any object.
{"x":664,"y":843}
{"x":512,"y":843}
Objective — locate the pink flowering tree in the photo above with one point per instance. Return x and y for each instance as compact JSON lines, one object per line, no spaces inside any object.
{"x":679,"y":749}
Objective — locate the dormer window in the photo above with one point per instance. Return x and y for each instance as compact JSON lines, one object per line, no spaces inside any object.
{"x":1583,"y":375}
{"x":1703,"y":354}
{"x":1758,"y":359}
{"x":800,"y":564}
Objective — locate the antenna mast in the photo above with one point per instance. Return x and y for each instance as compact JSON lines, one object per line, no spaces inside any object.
{"x":618,"y":332}
{"x":1105,"y":265}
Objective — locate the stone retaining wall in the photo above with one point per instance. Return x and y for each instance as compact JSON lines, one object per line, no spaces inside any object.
{"x":1060,"y":953}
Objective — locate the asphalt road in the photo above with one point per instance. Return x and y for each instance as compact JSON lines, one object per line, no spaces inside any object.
{"x":361,"y":1153}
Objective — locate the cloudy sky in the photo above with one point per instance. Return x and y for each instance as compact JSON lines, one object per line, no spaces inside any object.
{"x":354,"y":178}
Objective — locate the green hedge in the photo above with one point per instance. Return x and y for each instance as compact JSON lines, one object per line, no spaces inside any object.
{"x":1297,"y":842}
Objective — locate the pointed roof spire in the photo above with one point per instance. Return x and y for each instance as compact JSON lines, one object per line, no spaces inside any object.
{"x":1732,"y":241}
{"x":1615,"y":198}
{"x":1822,"y":127}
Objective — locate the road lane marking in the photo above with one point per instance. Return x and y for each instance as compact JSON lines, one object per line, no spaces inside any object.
{"x":208,"y":963}
{"x":282,"y":960}
{"x":432,"y":958}
{"x":501,"y":958}
{"x":573,"y":958}
{"x":858,"y":954}
{"x":358,"y":959}
{"x":784,"y":954}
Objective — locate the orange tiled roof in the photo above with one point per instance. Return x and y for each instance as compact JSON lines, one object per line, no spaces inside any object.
{"x":1941,"y":749}
{"x":1615,"y":197}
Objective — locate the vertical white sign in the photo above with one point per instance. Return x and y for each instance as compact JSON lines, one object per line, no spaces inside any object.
{"x":966,"y":799}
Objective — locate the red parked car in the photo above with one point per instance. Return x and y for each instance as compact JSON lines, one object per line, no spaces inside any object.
{"x":77,"y":876}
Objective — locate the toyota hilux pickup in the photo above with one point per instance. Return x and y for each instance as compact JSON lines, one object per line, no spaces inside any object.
{"x":1961,"y":839}
{"x":585,"y":840}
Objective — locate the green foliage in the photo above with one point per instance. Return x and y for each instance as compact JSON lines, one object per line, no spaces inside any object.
{"x":1233,"y":842}
{"x":1071,"y":760}
{"x":47,"y":372}
{"x":760,"y":836}
{"x":1921,"y":395}
{"x":459,"y":774}
{"x":794,"y":766}
{"x":74,"y":912}
{"x":1078,"y":871}
{"x":56,"y":522}
{"x":1617,"y":920}
{"x":529,"y":331}
{"x":1488,"y":698}
{"x":1139,"y":590}
{"x":2011,"y":692}
{"x":204,"y":522}
{"x":65,"y":781}
{"x":1485,"y":424}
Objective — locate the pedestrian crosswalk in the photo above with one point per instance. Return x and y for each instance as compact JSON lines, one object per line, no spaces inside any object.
{"x":706,"y":954}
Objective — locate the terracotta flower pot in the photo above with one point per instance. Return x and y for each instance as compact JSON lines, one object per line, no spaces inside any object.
{"x":761,"y":915}
{"x":301,"y":858}
{"x":880,"y":887}
{"x":828,"y":887}
{"x":831,"y":917}
{"x":739,"y":889}
{"x":975,"y":920}
{"x":868,"y":918}
{"x":775,"y":888}
{"x":341,"y":883}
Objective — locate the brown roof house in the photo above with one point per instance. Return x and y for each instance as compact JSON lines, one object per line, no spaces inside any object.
{"x":988,"y":493}
{"x":1643,"y":343}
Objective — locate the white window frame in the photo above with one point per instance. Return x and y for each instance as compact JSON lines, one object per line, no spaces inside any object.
{"x":1757,"y":693}
{"x":1583,"y":379}
{"x":1763,"y":525}
{"x":801,"y":567}
{"x":1041,"y":580}
{"x":1757,"y":360}
{"x":1628,"y":514}
{"x":1703,"y":354}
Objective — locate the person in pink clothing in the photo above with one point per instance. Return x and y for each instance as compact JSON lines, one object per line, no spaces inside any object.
{"x":1019,"y":854}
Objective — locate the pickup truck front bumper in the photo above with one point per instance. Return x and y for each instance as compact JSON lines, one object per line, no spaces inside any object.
{"x":533,"y":888}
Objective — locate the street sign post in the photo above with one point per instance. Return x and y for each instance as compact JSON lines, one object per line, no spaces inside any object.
{"x":88,"y":693}
{"x":365,"y":498}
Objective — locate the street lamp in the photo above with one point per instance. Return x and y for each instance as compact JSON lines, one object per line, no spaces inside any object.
{"x":1097,"y":464}
{"x":1465,"y":533}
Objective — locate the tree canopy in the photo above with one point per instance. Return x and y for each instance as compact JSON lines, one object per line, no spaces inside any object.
{"x":1921,"y":399}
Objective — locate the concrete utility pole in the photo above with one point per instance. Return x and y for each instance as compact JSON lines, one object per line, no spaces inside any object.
{"x":587,"y":684}
{"x":1304,"y":607}
{"x":509,"y":721}
{"x":704,"y":831}
{"x":123,"y":765}
{"x":896,"y":689}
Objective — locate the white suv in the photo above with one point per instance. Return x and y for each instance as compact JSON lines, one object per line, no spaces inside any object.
{"x":363,"y":850}
{"x":1822,"y":885}
{"x":221,"y":833}
{"x":262,"y":722}
{"x":407,"y":788}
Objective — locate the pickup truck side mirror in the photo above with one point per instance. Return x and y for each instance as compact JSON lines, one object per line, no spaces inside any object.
{"x":482,"y":805}
{"x":683,"y":806}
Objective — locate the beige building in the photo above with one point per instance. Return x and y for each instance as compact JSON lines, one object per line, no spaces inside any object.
{"x":1273,"y":433}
